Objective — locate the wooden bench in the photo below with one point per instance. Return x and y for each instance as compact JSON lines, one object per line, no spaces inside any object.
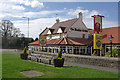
{"x":46,"y":58}
{"x":40,"y":58}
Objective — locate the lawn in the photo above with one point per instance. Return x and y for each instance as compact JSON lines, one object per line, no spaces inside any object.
{"x":12,"y":65}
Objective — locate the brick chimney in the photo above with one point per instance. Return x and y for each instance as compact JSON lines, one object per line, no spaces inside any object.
{"x":79,"y":15}
{"x":57,"y":20}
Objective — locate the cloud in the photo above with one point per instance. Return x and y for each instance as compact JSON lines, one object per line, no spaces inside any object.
{"x":36,"y":3}
{"x":91,"y":13}
{"x":41,"y":13}
{"x":73,"y":12}
{"x":36,"y":26}
{"x":18,"y":8}
{"x":105,"y":24}
{"x":88,"y":20}
{"x":81,"y":1}
{"x":33,"y":3}
{"x":86,"y":13}
{"x":9,"y":7}
{"x":30,"y":14}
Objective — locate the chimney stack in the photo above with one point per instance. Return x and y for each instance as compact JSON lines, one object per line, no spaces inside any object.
{"x":57,"y":20}
{"x":79,"y":15}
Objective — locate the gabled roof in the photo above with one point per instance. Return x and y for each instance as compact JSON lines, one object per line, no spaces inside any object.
{"x":66,"y":24}
{"x":65,"y":41}
{"x":45,"y":31}
{"x":106,"y":32}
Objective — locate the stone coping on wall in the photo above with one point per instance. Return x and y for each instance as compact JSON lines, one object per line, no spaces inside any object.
{"x":84,"y":56}
{"x":89,"y":60}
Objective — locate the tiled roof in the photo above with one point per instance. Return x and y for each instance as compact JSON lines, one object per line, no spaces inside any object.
{"x":65,"y":41}
{"x":106,"y":32}
{"x":34,"y":43}
{"x":80,"y":41}
{"x":67,"y":24}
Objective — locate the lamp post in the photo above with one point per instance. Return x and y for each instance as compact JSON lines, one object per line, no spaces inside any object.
{"x":28,"y":27}
{"x":111,"y":37}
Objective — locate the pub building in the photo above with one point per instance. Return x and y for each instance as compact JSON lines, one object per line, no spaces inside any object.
{"x":72,"y":36}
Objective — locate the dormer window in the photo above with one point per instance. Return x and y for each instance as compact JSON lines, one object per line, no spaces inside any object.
{"x":50,"y":31}
{"x":61,"y":30}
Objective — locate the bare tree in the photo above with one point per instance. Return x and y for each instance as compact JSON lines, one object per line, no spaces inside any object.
{"x":8,"y":30}
{"x":16,"y":32}
{"x":10,"y":35}
{"x":6,"y":27}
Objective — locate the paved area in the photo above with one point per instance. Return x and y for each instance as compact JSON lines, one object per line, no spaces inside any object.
{"x":31,"y":73}
{"x":94,"y":67}
{"x":11,"y":51}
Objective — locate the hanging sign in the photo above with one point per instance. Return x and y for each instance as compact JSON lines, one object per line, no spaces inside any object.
{"x":42,"y":40}
{"x":97,"y":41}
{"x":97,"y":23}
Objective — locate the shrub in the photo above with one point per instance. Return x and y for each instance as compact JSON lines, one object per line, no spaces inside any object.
{"x":59,"y":56}
{"x":58,"y":60}
{"x":115,"y":53}
{"x":25,"y":50}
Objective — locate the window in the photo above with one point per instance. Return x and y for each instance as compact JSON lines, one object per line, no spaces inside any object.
{"x":83,"y":36}
{"x":63,"y":48}
{"x":50,"y":37}
{"x":69,"y":49}
{"x":60,"y":35}
{"x":89,"y":36}
{"x":76,"y":50}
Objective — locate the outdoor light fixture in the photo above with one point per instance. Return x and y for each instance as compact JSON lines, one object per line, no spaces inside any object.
{"x":111,"y":37}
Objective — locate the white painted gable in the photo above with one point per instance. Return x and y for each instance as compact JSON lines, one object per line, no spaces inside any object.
{"x":78,"y":30}
{"x":59,"y":30}
{"x":49,"y":32}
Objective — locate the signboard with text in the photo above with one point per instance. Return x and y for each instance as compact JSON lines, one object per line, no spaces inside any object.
{"x":42,"y":40}
{"x":97,"y":41}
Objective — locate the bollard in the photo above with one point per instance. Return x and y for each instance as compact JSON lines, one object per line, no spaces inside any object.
{"x":49,"y":61}
{"x":40,"y":60}
{"x":37,"y":60}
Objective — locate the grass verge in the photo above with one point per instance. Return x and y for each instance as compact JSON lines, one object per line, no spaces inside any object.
{"x":12,"y":65}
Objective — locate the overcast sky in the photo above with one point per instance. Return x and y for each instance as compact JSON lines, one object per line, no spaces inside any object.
{"x":42,"y":13}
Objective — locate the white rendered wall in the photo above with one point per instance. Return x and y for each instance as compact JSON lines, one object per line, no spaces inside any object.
{"x":59,"y":30}
{"x":57,"y":36}
{"x":78,"y":34}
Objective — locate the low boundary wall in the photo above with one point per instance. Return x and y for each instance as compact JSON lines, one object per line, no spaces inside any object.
{"x":88,"y":60}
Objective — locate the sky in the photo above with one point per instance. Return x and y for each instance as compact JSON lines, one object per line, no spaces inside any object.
{"x":43,"y":13}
